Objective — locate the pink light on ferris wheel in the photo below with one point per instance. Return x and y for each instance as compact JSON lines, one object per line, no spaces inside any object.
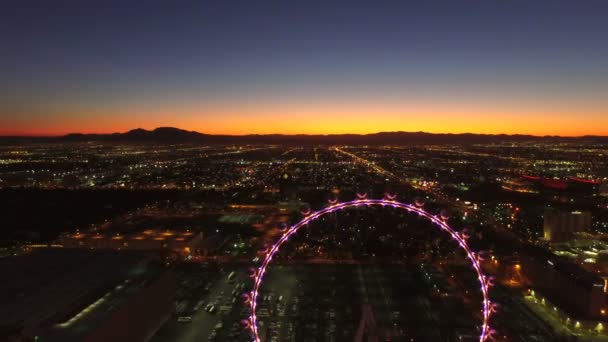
{"x":440,"y":222}
{"x":306,"y":212}
{"x":390,"y":197}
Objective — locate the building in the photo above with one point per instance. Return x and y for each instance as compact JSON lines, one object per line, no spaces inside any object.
{"x":132,"y":311}
{"x":148,"y":240}
{"x":60,"y":294}
{"x":560,"y":226}
{"x":604,"y":189}
{"x":577,"y":291}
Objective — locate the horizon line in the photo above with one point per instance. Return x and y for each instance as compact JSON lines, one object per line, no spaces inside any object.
{"x":29,"y":135}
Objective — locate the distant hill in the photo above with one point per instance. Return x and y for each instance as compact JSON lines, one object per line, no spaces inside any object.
{"x":161,"y":134}
{"x":176,"y":135}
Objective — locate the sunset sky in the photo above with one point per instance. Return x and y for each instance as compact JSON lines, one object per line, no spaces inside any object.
{"x":236,"y":67}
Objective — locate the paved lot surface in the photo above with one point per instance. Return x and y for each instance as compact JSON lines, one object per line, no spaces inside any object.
{"x":324,"y":302}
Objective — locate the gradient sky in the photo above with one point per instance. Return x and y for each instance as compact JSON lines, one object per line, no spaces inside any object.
{"x":482,"y":66}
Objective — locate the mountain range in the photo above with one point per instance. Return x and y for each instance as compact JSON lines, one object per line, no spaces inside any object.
{"x":176,"y":135}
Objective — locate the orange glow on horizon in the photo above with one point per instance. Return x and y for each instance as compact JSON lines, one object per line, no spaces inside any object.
{"x":328,"y":118}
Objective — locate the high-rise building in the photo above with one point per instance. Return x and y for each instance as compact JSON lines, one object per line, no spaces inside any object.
{"x":560,"y":225}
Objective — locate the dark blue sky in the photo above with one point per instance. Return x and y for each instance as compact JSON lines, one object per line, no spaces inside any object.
{"x":71,"y":62}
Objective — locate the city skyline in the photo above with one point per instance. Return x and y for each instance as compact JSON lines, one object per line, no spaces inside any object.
{"x":346,"y":170}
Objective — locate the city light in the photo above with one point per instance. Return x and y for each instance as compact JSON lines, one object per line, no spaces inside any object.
{"x":157,"y":157}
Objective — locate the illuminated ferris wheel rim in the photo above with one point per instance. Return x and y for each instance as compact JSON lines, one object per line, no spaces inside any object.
{"x":461,"y":238}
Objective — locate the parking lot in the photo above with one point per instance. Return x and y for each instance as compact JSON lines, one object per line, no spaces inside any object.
{"x":323,"y":303}
{"x":213,"y":309}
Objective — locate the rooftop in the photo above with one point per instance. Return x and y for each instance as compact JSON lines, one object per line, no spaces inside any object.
{"x":50,"y":286}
